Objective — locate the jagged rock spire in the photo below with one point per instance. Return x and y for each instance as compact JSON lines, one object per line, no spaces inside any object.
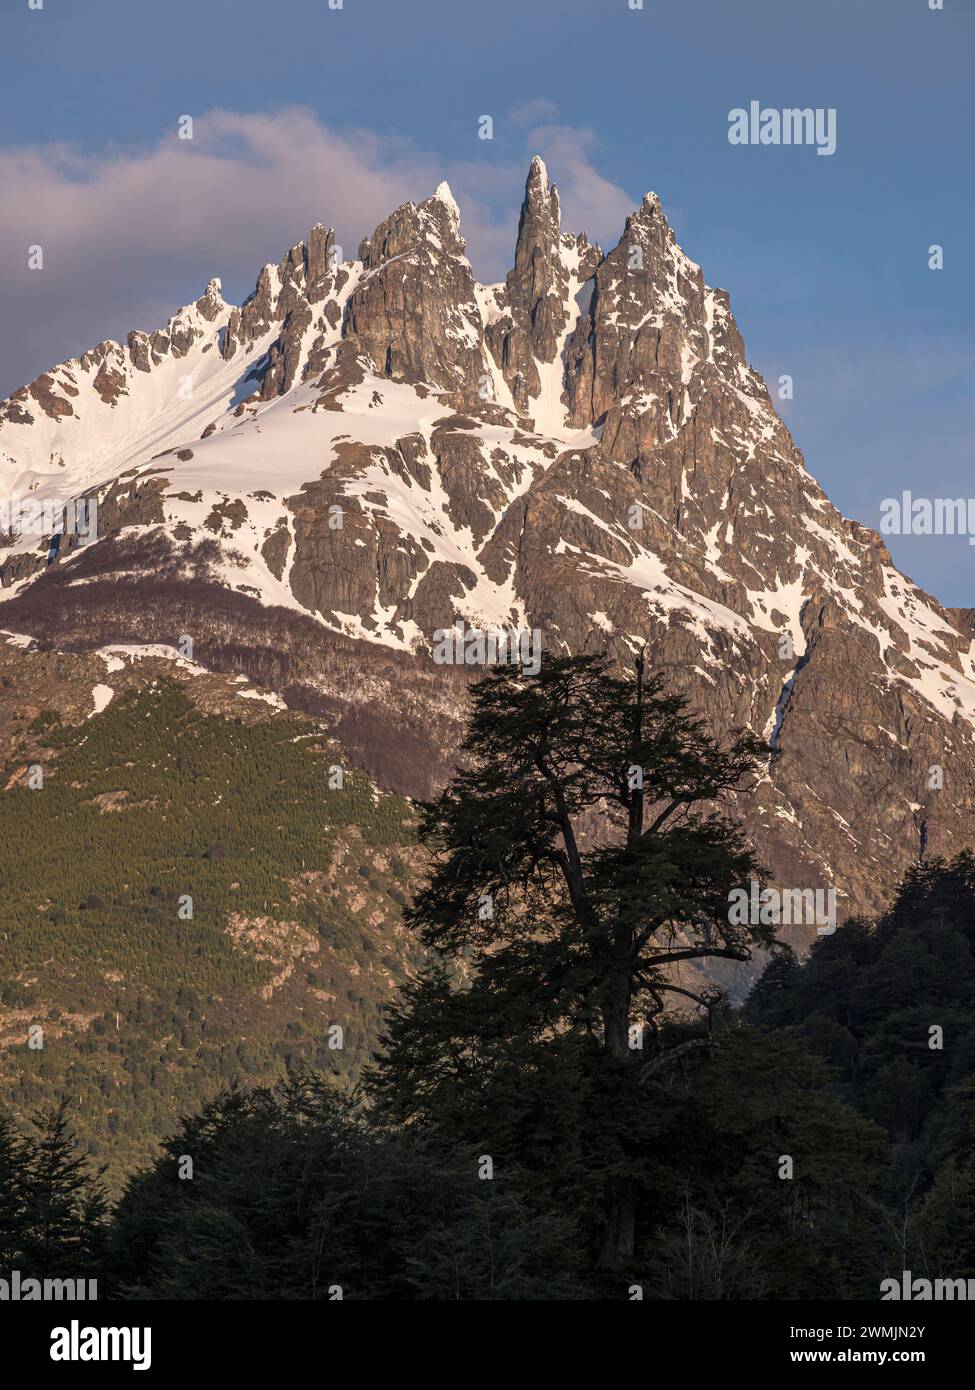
{"x":415,"y":313}
{"x":535,"y":291}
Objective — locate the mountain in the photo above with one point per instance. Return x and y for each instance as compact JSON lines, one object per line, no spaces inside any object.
{"x":314,"y":484}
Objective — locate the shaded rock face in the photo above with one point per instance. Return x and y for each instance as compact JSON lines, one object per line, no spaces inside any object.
{"x":414,"y":314}
{"x":536,"y":301}
{"x":649,"y":322}
{"x":538,"y":283}
{"x":369,"y":451}
{"x":287,"y":298}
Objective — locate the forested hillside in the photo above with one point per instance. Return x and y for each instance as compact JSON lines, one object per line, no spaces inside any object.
{"x":529,"y":1101}
{"x":188,"y":900}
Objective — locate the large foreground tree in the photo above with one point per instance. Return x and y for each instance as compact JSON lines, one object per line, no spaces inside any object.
{"x":580,"y":859}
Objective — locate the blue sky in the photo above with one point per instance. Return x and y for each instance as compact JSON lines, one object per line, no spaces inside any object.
{"x":303,"y":112}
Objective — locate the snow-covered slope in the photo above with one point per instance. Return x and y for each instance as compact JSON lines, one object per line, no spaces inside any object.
{"x":383,"y":446}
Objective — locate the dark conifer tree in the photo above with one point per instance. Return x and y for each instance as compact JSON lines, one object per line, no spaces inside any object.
{"x":65,"y":1202}
{"x":13,"y":1215}
{"x":580,"y":856}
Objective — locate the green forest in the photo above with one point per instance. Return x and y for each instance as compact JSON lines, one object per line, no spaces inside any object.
{"x":533,"y":1103}
{"x":146,"y":1011}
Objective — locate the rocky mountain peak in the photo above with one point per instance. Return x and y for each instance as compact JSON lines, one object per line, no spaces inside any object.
{"x":413,"y":312}
{"x":442,"y":193}
{"x":540,"y":207}
{"x":581,"y":450}
{"x":536,"y":302}
{"x":211,"y":302}
{"x":651,"y":328}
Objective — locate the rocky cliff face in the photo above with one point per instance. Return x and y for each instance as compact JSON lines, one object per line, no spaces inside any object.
{"x":312,"y":485}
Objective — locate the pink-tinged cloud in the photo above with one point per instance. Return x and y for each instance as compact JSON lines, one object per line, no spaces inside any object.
{"x":129,"y":235}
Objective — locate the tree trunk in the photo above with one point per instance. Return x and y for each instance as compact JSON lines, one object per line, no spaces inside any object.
{"x":620,"y":1227}
{"x":616,"y":1002}
{"x":621,"y":1198}
{"x":616,"y":1029}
